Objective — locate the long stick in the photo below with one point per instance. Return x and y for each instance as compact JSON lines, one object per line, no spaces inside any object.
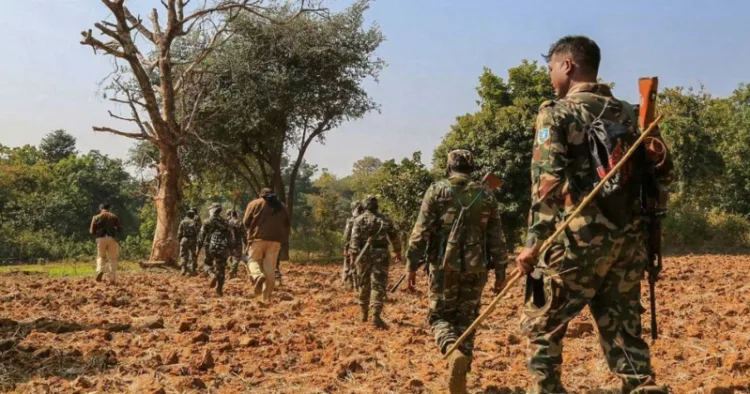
{"x":517,"y":274}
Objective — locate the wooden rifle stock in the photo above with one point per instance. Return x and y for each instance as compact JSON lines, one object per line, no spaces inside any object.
{"x":647,"y":87}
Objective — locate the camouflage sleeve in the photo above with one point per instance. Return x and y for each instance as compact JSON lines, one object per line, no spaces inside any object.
{"x":547,"y":175}
{"x":420,"y":235}
{"x":393,"y":238}
{"x":357,"y":239}
{"x":202,"y":235}
{"x":348,"y":232}
{"x":496,"y":243}
{"x":181,"y":230}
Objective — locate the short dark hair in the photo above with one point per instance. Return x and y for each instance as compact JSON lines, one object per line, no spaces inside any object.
{"x":104,"y":205}
{"x":584,"y":51}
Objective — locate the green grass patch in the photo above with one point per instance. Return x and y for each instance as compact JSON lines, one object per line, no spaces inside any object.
{"x":66,"y":268}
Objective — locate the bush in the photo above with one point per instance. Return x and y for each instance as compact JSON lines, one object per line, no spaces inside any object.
{"x":690,"y":228}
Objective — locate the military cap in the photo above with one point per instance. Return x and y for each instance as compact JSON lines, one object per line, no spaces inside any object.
{"x":460,"y":158}
{"x":214,"y":207}
{"x":370,"y":199}
{"x":265,"y":192}
{"x":191,"y":210}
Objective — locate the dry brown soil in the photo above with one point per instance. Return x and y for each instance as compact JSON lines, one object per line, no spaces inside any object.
{"x":162,"y":333}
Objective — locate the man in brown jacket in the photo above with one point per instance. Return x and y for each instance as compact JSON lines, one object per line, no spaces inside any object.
{"x":267,"y":223}
{"x":105,"y":226}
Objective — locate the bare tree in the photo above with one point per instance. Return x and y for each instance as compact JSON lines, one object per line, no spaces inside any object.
{"x":152,"y":77}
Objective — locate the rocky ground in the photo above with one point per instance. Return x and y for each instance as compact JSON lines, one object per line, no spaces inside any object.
{"x":162,"y":333}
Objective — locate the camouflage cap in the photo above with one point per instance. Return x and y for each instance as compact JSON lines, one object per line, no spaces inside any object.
{"x":191,"y":210}
{"x":370,"y":199}
{"x":214,"y":207}
{"x":460,"y":158}
{"x":356,"y":204}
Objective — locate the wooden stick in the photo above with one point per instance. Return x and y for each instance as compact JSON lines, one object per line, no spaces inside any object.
{"x":516,"y":276}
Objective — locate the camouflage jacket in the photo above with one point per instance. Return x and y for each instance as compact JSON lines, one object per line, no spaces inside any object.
{"x":348,"y":230}
{"x":483,"y":240}
{"x":188,"y":229}
{"x":375,"y":226}
{"x":561,"y":166}
{"x":105,"y":224}
{"x":215,"y":235}
{"x":238,"y":232}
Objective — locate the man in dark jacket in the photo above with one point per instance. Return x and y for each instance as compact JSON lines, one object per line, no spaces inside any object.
{"x":105,"y":227}
{"x":267,"y":222}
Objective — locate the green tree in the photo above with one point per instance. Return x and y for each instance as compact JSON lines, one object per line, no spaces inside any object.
{"x":400,"y":188}
{"x":277,"y":88}
{"x":500,"y":135}
{"x":58,"y":145}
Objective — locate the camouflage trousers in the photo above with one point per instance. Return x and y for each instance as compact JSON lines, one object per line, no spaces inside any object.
{"x":604,"y":274}
{"x":188,"y":258}
{"x":235,"y":259}
{"x":453,"y":305}
{"x":372,"y":273}
{"x":215,"y":265}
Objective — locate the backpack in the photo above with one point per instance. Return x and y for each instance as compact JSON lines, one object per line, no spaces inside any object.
{"x":217,"y":242}
{"x":189,"y":231}
{"x":464,"y":249}
{"x":608,"y":142}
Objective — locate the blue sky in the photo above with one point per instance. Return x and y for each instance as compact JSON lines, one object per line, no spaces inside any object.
{"x":435,"y":51}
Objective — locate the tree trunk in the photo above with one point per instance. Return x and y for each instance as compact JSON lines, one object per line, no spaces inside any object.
{"x":167,"y":201}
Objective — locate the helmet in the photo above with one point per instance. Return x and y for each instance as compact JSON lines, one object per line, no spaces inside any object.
{"x":370,"y":202}
{"x":215,"y":207}
{"x":460,"y":160}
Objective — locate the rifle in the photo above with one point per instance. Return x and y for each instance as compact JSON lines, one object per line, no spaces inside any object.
{"x":491,"y":182}
{"x":357,"y":279}
{"x":648,"y":88}
{"x":517,"y":275}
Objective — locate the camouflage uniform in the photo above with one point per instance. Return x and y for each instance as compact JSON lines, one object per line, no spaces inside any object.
{"x":599,"y":263}
{"x":216,"y":236}
{"x":187,"y":233}
{"x":235,"y":249}
{"x":372,"y":268}
{"x":458,"y":272}
{"x":348,"y":271}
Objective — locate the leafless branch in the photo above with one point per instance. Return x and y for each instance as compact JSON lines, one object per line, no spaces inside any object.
{"x":89,"y":39}
{"x":137,"y":23}
{"x":120,"y":101}
{"x":137,"y":136}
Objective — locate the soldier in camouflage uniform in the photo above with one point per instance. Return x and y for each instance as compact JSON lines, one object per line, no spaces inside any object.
{"x":187,"y":233}
{"x":373,"y":230}
{"x":238,"y":236}
{"x":216,"y":236}
{"x":461,"y":218}
{"x":597,"y":262}
{"x":348,"y":271}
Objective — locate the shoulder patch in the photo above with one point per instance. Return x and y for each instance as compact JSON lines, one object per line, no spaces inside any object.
{"x":547,"y":103}
{"x":542,"y":135}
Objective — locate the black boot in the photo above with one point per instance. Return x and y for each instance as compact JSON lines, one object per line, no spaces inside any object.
{"x":365,"y":313}
{"x":377,"y":321}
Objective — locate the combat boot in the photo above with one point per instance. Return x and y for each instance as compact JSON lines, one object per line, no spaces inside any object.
{"x":99,"y":276}
{"x":377,"y":321}
{"x":458,"y":367}
{"x":365,"y":313}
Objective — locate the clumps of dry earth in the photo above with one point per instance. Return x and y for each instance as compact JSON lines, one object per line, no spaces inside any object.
{"x":161,"y":333}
